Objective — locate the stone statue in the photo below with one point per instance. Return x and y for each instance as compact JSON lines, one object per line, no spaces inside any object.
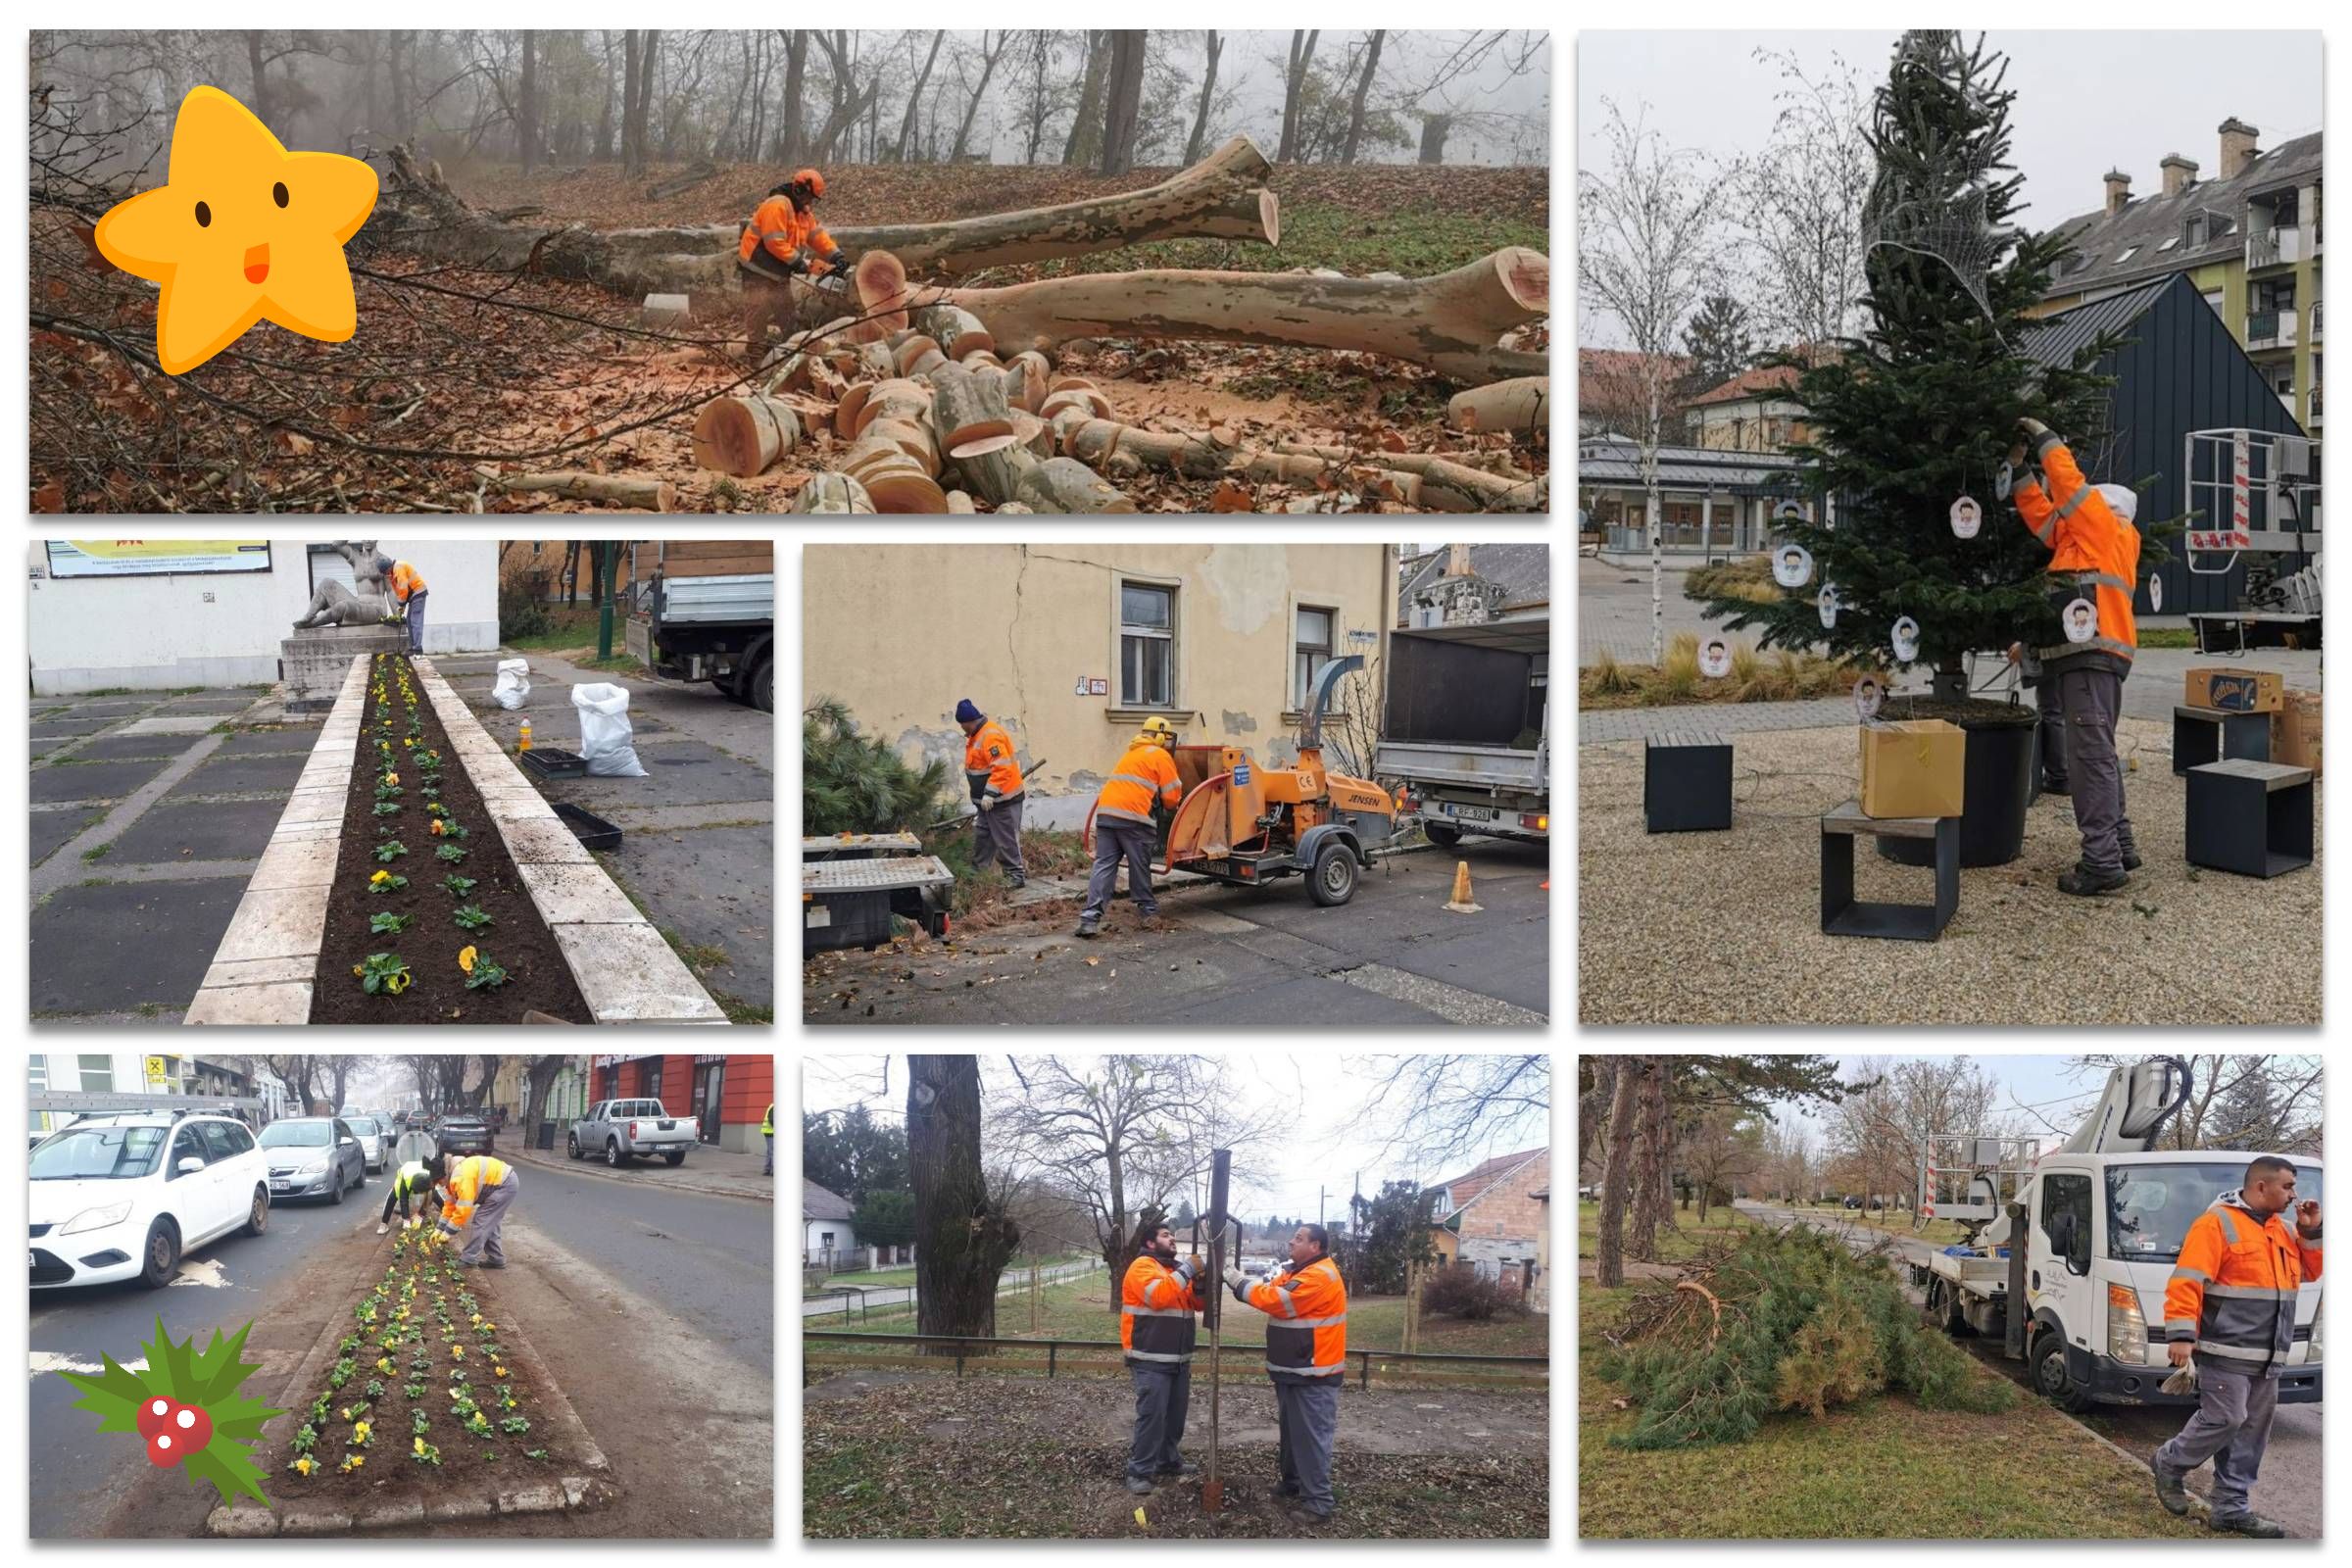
{"x":333,"y":604}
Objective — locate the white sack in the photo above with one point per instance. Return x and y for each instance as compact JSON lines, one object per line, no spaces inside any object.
{"x":513,"y":685}
{"x":604,"y":731}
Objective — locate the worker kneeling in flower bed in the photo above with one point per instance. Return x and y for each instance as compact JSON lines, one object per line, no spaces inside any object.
{"x":480,"y":1190}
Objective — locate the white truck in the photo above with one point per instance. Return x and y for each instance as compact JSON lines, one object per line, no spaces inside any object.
{"x":2085,"y":1235}
{"x":1465,"y":741}
{"x":619,"y":1130}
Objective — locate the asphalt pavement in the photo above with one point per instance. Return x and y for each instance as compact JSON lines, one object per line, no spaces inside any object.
{"x":1392,"y":956}
{"x":2291,"y":1483}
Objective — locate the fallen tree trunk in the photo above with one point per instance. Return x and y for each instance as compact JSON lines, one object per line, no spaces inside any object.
{"x":1489,"y":491}
{"x":1220,"y":197}
{"x":745,"y":436}
{"x":685,"y":181}
{"x":1452,"y":323}
{"x":648,"y":495}
{"x":969,"y":413}
{"x":1506,"y":406}
{"x":1065,"y":484}
{"x":832,"y":493}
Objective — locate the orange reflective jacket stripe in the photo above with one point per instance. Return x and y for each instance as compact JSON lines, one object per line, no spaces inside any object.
{"x":1307,"y":1321}
{"x":2089,"y":542}
{"x":1156,"y":1312}
{"x":2233,"y":1287}
{"x":1146,"y":773}
{"x":406,"y":581}
{"x":468,"y":1179}
{"x":988,"y":761}
{"x":784,"y":229}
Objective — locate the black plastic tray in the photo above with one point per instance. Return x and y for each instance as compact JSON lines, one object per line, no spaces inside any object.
{"x":553,"y":761}
{"x":592,"y":830}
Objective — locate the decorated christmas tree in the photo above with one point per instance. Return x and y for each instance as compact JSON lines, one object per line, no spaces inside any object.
{"x":1919,"y":412}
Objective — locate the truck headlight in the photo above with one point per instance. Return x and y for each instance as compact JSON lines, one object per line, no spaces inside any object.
{"x":95,"y":1219}
{"x":2318,"y":1326}
{"x":2127,"y":1330}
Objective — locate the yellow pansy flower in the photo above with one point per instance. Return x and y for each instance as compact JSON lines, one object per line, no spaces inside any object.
{"x":465,"y":959}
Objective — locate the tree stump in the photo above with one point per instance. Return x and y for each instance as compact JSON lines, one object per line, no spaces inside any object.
{"x":745,"y":436}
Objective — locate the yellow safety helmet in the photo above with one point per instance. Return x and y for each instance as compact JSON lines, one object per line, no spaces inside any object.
{"x":1157,"y":729}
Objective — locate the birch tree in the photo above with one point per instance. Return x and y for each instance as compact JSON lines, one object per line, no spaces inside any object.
{"x":1801,"y":202}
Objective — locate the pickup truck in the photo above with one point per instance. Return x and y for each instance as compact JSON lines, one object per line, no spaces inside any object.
{"x":623,"y":1129}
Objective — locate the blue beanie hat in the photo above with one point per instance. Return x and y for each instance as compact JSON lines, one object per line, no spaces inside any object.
{"x":965,"y":713}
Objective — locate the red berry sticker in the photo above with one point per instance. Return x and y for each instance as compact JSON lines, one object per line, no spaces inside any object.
{"x":181,"y":1430}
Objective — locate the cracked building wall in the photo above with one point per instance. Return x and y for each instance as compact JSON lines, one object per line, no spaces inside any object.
{"x":902,"y":632}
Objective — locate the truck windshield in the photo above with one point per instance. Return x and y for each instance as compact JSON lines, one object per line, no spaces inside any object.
{"x":2150,"y":1208}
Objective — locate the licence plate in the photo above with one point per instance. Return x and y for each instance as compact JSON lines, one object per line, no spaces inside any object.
{"x":1474,"y":814}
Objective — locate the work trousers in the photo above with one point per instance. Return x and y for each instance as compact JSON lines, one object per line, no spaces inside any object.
{"x":1310,"y":1411}
{"x":396,"y":1195}
{"x":417,"y":624}
{"x":2092,"y":698}
{"x":1116,"y":840}
{"x":481,"y":1232}
{"x":2231,"y":1428}
{"x":997,"y":836}
{"x":2050,"y":739}
{"x":1163,"y":1391}
{"x":770,"y":1168}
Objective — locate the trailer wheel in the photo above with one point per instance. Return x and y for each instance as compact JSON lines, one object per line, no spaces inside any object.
{"x":1333,"y":882}
{"x":1444,"y":835}
{"x":763,"y":686}
{"x":2050,"y":1378}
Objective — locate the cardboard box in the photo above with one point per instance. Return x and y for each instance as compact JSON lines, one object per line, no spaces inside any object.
{"x":2237,"y":691}
{"x":2295,"y":732}
{"x":1913,"y":768}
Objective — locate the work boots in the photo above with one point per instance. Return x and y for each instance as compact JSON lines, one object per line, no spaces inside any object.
{"x":1090,"y":926}
{"x":1138,"y":1486}
{"x":2130,"y":846}
{"x":2083,"y":882}
{"x":2169,"y":1489}
{"x":2250,"y":1524}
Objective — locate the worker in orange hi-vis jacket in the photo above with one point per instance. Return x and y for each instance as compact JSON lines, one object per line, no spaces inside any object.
{"x":405,"y":584}
{"x":993,"y":776}
{"x":1158,"y":1299}
{"x":2231,"y":1303}
{"x":2094,"y":561}
{"x":783,"y":235}
{"x":1307,"y":1356}
{"x":1143,"y":782}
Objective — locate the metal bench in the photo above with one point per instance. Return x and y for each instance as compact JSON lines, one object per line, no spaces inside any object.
{"x":2202,"y":735}
{"x":1686,"y":782}
{"x":2250,"y":819}
{"x":1841,"y":915}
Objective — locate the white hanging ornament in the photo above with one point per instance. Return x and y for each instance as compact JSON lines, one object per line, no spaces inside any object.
{"x":2081,"y":620}
{"x":1904,"y":635}
{"x":1714,"y":658}
{"x":1792,"y":565}
{"x":1869,"y":697}
{"x":2002,"y":478}
{"x":2155,"y":593}
{"x":1966,"y":517}
{"x":1826,"y":601}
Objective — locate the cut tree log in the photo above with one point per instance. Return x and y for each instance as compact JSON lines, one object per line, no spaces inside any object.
{"x":832,"y":493}
{"x":1453,"y":485}
{"x":1098,"y":442}
{"x":911,"y":436}
{"x":1452,"y":322}
{"x":960,"y":504}
{"x":685,"y":181}
{"x":1065,"y":484}
{"x":912,"y":349}
{"x":895,"y":480}
{"x":995,"y":476}
{"x":1220,"y":197}
{"x":1026,"y":376}
{"x":958,"y":331}
{"x":745,"y":436}
{"x":1515,"y":406}
{"x":646,"y":494}
{"x":969,"y":413}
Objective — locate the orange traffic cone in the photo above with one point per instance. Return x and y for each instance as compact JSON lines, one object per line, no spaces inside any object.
{"x":1460,"y":903}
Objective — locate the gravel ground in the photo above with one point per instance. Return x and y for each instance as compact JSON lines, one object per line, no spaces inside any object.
{"x":1717,"y":928}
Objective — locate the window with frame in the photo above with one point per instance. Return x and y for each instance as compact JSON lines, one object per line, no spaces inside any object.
{"x":1312,"y":640}
{"x":651,"y":1089}
{"x":97,"y":1075}
{"x":1147,"y":645}
{"x":2070,"y":1195}
{"x":187,"y":1142}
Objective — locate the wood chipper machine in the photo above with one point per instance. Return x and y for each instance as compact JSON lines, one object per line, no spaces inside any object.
{"x":1245,"y":825}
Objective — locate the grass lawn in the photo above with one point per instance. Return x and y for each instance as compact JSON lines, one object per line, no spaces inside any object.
{"x":573,"y":627}
{"x":1674,"y":1246}
{"x":1882,"y":1469}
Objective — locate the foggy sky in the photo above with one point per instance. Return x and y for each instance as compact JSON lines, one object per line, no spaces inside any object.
{"x":2087,"y":101}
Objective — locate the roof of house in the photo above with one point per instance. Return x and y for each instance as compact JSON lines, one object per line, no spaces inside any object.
{"x":1594,"y":364}
{"x":1465,"y":1189}
{"x":2127,"y":246}
{"x":818,"y":1202}
{"x":1616,"y":461}
{"x":1523,"y":571}
{"x":1754,"y":383}
{"x":2054,"y":339}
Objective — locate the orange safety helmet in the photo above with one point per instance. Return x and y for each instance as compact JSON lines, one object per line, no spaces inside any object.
{"x":810,"y":179}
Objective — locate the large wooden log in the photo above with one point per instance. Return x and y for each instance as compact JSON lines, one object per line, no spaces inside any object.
{"x":1222,"y":197}
{"x":1463,"y":487}
{"x":646,"y":494}
{"x":1452,"y":323}
{"x":745,"y":436}
{"x":969,"y":412}
{"x":1516,"y":407}
{"x":1098,"y":443}
{"x":832,"y":493}
{"x":1065,"y":484}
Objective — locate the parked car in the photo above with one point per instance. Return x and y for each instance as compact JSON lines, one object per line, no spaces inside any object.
{"x":125,"y":1195}
{"x":314,"y":1156}
{"x":464,"y":1134}
{"x":376,"y":1139}
{"x":1853,"y":1202}
{"x":623,"y":1129}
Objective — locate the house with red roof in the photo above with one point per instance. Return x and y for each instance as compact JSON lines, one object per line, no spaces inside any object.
{"x":1494,"y":1217}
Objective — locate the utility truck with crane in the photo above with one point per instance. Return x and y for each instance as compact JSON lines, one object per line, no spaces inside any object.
{"x":2068,"y":1252}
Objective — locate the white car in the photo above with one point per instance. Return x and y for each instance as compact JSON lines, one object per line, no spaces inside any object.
{"x":125,"y":1195}
{"x":376,"y":1139}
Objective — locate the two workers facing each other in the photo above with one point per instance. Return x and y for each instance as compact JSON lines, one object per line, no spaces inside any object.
{"x":1306,"y":1304}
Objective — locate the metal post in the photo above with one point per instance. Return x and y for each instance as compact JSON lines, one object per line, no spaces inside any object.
{"x":609,"y":551}
{"x":2013,"y":1343}
{"x":1212,"y":1488}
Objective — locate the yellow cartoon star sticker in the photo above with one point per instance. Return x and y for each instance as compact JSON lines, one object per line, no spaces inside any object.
{"x":243,"y":231}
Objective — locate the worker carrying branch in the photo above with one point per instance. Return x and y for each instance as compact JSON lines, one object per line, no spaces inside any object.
{"x":2094,"y":560}
{"x":778,"y":243}
{"x":1158,"y":1300}
{"x":2231,"y":1303}
{"x":1307,"y":1356}
{"x":1125,"y":829}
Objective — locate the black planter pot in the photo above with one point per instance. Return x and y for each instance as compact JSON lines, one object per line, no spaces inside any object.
{"x":1998,"y":770}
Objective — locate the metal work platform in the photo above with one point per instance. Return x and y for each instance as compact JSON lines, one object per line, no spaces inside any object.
{"x":875,"y":875}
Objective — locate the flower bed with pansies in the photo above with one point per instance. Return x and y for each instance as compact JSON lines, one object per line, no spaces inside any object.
{"x":422,"y":1388}
{"x":428,"y":921}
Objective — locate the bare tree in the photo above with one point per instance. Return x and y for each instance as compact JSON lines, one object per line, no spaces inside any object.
{"x":1800,"y":202}
{"x":526,"y":118}
{"x":1654,"y":1161}
{"x":1355,"y":105}
{"x":1198,"y":140}
{"x":915,"y":100}
{"x":2216,"y":1081}
{"x":1648,"y":250}
{"x":971,"y":109}
{"x":539,"y":1077}
{"x":1294,"y":91}
{"x":1442,"y":1109}
{"x":1124,"y":100}
{"x":964,"y":1236}
{"x":793,"y":119}
{"x":1723,"y":1147}
{"x":1086,"y":130}
{"x":1616,"y":1171}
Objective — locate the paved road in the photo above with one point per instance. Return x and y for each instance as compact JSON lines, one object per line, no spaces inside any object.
{"x":2292,"y":1483}
{"x":1238,"y":956}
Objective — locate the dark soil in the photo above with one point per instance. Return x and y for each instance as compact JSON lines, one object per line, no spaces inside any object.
{"x":537,"y":977}
{"x":1974,"y":712}
{"x":390,"y":1473}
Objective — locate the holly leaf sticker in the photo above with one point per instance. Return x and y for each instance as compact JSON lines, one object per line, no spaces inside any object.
{"x":209,"y":1380}
{"x":114,"y":1395}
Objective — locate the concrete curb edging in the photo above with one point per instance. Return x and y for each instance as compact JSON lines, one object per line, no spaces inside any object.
{"x":624,"y":969}
{"x":250,"y":1519}
{"x":589,"y":1167}
{"x":267,"y":964}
